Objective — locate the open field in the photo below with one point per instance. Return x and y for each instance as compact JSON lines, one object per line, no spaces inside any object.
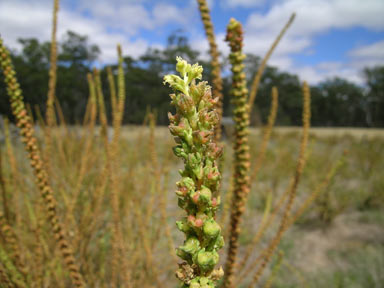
{"x":338,"y":242}
{"x":316,"y":131}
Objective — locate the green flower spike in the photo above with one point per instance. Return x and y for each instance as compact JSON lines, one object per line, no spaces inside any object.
{"x":193,"y":128}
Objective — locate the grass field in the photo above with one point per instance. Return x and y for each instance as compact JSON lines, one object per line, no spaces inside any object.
{"x":337,"y":242}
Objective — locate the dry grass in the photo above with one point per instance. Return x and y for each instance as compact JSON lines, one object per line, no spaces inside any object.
{"x":135,"y":190}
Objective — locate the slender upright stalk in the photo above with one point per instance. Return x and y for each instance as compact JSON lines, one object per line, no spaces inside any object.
{"x":112,"y":89}
{"x":14,"y":171}
{"x":30,"y":142}
{"x":4,"y":196}
{"x":119,"y":249}
{"x":11,"y":242}
{"x":318,"y":189}
{"x":256,"y":80}
{"x":85,"y":157}
{"x":284,"y":224}
{"x":255,"y":170}
{"x":242,"y":273}
{"x":267,"y":133}
{"x":4,"y":278}
{"x":101,"y":107}
{"x":52,"y":69}
{"x":50,"y":113}
{"x":275,"y":270}
{"x":217,"y":81}
{"x":241,"y":177}
{"x":193,"y":127}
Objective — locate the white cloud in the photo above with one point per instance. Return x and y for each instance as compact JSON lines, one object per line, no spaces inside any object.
{"x":243,"y":3}
{"x":165,"y":13}
{"x":34,"y":20}
{"x":259,"y":44}
{"x":122,"y":21}
{"x":313,"y":18}
{"x":373,"y":51}
{"x":131,"y":16}
{"x":31,"y":21}
{"x":317,"y":16}
{"x":283,"y":62}
{"x":200,"y":43}
{"x":327,"y":70}
{"x":359,"y":58}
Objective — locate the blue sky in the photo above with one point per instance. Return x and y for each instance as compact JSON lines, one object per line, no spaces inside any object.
{"x":327,"y":39}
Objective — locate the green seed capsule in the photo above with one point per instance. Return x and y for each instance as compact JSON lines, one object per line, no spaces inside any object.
{"x":205,"y":195}
{"x":211,"y":229}
{"x":207,"y":260}
{"x":194,"y":285}
{"x":191,"y":245}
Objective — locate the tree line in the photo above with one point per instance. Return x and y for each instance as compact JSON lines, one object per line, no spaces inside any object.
{"x":335,"y":102}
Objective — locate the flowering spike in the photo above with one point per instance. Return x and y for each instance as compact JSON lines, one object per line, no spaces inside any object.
{"x":192,"y":126}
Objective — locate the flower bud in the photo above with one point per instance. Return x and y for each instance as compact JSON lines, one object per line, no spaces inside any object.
{"x":182,"y":191}
{"x":199,"y":223}
{"x":186,"y":134}
{"x":207,"y":260}
{"x":203,"y":280}
{"x":195,"y":197}
{"x":179,"y":152}
{"x":176,"y":130}
{"x":219,"y":243}
{"x":176,"y":83}
{"x":217,"y":274}
{"x":172,"y":118}
{"x":191,"y":219}
{"x":202,"y":137}
{"x":182,"y":66}
{"x":195,"y":73}
{"x":183,"y":226}
{"x":205,"y":195}
{"x":191,"y":245}
{"x":213,"y":175}
{"x":194,"y":284}
{"x":198,"y":172}
{"x":183,"y":255}
{"x":182,"y":203}
{"x":186,"y":105}
{"x":211,"y":229}
{"x":186,"y":182}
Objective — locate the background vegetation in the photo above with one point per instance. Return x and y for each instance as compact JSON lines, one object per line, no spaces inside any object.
{"x":337,"y":243}
{"x":335,"y":102}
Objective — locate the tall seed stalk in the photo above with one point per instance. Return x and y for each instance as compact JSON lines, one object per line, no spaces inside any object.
{"x":118,"y":246}
{"x":4,"y":196}
{"x":257,"y":79}
{"x":284,"y":224}
{"x":267,"y":132}
{"x":4,"y":278}
{"x":12,"y":245}
{"x":50,"y":113}
{"x":239,"y":93}
{"x":217,"y":81}
{"x":30,"y":142}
